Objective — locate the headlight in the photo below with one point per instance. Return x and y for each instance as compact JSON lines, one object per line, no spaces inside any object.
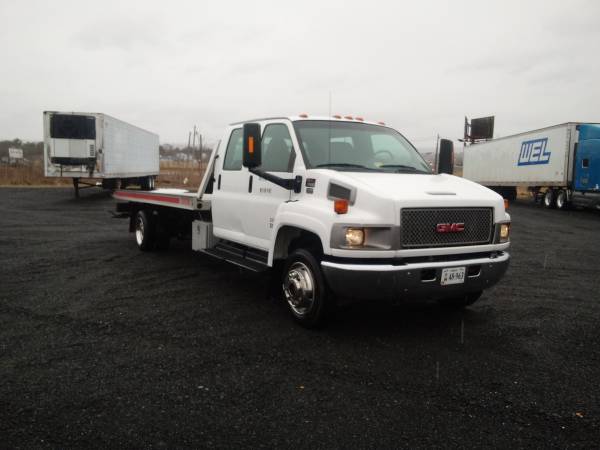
{"x":355,"y":237}
{"x":504,"y":232}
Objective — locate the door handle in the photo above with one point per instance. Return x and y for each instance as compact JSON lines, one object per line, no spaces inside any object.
{"x":219,"y":182}
{"x":250,"y":184}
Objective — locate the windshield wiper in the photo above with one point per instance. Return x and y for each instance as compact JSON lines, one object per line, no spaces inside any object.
{"x":357,"y":166}
{"x":402,"y":167}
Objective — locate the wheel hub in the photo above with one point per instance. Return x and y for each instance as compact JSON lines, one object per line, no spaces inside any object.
{"x":298,"y":288}
{"x":139,"y":231}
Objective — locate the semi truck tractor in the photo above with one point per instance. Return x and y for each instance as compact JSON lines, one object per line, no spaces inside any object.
{"x":560,"y":165}
{"x":95,"y":146}
{"x":339,"y":209}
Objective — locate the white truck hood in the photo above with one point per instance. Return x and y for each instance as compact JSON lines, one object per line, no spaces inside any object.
{"x":407,"y":187}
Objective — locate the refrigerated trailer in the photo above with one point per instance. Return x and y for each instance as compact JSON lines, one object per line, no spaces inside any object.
{"x":560,"y":164}
{"x":96,"y":146}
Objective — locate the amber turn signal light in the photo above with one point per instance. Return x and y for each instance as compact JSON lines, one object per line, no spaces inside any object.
{"x":250,"y":144}
{"x":340,"y":206}
{"x":505,"y":203}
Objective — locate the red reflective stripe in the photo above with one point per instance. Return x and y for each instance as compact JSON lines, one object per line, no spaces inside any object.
{"x":155,"y":197}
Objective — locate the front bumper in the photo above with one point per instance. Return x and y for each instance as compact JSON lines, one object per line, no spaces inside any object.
{"x":412,"y":280}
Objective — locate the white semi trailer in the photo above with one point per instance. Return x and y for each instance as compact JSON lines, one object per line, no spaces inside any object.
{"x":96,"y":146}
{"x":559,"y":164}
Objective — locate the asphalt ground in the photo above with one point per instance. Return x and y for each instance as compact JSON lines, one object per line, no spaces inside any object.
{"x":102,"y":345}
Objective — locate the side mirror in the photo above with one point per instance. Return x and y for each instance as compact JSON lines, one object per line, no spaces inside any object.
{"x":252,"y":148}
{"x":446,"y":157}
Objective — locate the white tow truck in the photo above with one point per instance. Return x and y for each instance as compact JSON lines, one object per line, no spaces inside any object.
{"x":340,"y":208}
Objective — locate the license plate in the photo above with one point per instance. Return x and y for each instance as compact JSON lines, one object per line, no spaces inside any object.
{"x":455,"y":275}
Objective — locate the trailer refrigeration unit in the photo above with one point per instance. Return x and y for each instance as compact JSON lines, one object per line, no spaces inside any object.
{"x":559,"y":164}
{"x":338,"y":208}
{"x":97,"y":146}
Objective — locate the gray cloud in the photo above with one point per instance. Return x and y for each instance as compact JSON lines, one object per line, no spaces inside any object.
{"x":419,"y":67}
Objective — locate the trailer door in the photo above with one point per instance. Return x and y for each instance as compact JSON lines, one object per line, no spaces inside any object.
{"x":587,"y":159}
{"x":73,"y":139}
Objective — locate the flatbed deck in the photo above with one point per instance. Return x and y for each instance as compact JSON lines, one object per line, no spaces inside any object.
{"x":173,"y":198}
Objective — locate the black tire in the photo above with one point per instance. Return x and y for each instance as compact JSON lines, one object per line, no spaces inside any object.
{"x":461,"y":302}
{"x":76,"y":187}
{"x":549,"y":200}
{"x":562,"y":200}
{"x":304,"y":289}
{"x":145,"y":231}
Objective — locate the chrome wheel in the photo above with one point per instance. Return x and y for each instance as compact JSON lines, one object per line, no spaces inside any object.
{"x":299,"y":288}
{"x":561,"y":200}
{"x":139,"y":230}
{"x":549,"y":199}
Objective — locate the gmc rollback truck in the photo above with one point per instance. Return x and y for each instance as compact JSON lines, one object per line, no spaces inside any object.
{"x":340,"y":209}
{"x":560,"y":165}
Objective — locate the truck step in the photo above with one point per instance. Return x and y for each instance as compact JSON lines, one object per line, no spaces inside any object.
{"x":248,"y":258}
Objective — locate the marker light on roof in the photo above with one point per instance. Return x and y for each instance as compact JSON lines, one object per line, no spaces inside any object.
{"x":360,"y":119}
{"x":349,"y":117}
{"x":337,"y":116}
{"x":381,"y":123}
{"x":304,"y":115}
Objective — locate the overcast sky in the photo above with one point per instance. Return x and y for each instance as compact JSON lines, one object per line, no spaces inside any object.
{"x":419,"y":66}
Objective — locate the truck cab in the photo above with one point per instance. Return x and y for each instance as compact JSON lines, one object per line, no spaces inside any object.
{"x":347,"y":209}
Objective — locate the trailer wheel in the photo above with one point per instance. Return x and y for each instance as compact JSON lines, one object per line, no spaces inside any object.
{"x":461,"y":302}
{"x":304,"y":289}
{"x":76,"y":187}
{"x":145,"y":231}
{"x":549,"y":199}
{"x":561,"y":200}
{"x":147,"y":183}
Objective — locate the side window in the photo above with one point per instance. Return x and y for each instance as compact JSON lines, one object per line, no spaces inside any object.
{"x":277,"y":149}
{"x":233,"y":154}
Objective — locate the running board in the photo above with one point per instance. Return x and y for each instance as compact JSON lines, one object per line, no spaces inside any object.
{"x":248,"y":258}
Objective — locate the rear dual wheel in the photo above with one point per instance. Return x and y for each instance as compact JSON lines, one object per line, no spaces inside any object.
{"x":148,"y":183}
{"x":148,"y":234}
{"x":562,"y":201}
{"x":549,"y":199}
{"x":556,"y":199}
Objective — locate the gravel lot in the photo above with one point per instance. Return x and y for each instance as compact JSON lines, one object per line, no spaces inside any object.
{"x":102,"y":345}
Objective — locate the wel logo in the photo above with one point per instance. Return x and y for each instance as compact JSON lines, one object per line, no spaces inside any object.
{"x":534,"y":152}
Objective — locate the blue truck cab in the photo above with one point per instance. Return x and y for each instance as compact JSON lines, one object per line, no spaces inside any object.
{"x":586,"y":169}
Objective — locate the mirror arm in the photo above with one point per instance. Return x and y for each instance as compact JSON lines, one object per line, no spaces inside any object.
{"x":291,"y":184}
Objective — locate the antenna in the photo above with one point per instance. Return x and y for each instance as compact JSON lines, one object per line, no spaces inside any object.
{"x":329,"y":122}
{"x":435,"y":161}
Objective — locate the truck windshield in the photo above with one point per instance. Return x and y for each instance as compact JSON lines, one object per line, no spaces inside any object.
{"x":71,"y":126}
{"x":357,"y":147}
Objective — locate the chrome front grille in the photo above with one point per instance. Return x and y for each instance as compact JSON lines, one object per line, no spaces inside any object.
{"x":419,"y":227}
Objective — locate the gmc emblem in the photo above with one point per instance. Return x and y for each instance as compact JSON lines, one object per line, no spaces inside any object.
{"x":450,"y":227}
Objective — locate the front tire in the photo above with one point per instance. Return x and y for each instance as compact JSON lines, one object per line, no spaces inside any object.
{"x":304,"y":289}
